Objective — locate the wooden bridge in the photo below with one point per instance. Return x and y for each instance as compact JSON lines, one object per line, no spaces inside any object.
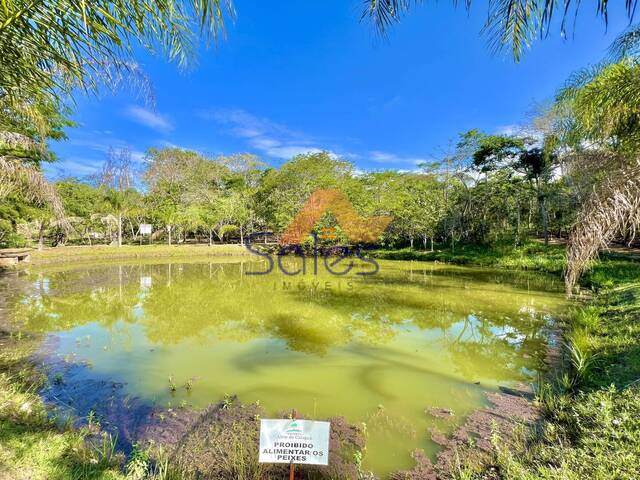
{"x":13,"y":256}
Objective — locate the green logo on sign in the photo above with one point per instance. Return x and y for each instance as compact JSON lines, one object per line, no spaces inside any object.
{"x":294,"y":428}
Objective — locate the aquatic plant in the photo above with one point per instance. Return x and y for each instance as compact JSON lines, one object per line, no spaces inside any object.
{"x":189,"y":384}
{"x":92,"y":419}
{"x":106,"y":448}
{"x":587,"y":317}
{"x":172,"y":384}
{"x":227,"y":401}
{"x":580,"y":356}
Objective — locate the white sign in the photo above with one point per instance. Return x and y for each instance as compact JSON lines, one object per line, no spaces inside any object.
{"x":294,"y":441}
{"x":145,"y":229}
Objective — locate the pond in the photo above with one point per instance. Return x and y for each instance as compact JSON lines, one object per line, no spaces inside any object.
{"x":380,"y":349}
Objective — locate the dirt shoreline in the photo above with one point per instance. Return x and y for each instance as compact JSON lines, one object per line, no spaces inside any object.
{"x":511,"y":411}
{"x":471,"y":444}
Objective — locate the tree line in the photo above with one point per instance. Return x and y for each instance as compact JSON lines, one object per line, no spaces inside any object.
{"x":509,"y":185}
{"x":492,"y":188}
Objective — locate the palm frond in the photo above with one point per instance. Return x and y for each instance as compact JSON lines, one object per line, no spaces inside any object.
{"x":383,"y":13}
{"x":56,"y":45}
{"x":602,"y":104}
{"x":626,"y":45}
{"x":512,"y":24}
{"x":16,"y":176}
{"x":612,"y":209}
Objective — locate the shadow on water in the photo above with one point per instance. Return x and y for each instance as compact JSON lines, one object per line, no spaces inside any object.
{"x":79,"y":393}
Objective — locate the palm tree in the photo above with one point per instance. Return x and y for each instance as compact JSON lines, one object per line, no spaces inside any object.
{"x":50,"y":47}
{"x":514,"y":24}
{"x":117,"y":202}
{"x":611,"y":210}
{"x":18,"y":176}
{"x":56,"y":45}
{"x":598,"y":119}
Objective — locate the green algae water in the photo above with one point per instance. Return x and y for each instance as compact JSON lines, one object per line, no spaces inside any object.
{"x":379,"y":350}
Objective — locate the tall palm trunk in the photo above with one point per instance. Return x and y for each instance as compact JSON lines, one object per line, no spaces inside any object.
{"x":119,"y":229}
{"x":41,"y":235}
{"x":542,"y":202}
{"x":544,"y":215}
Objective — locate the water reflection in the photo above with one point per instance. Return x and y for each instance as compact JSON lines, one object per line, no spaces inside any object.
{"x":377,"y":349}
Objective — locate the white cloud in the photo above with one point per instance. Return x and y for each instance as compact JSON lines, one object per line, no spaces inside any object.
{"x":74,"y":166}
{"x":508,"y":129}
{"x":264,"y":143}
{"x":287,"y":152}
{"x":148,"y":118}
{"x":94,"y":143}
{"x":271,"y":138}
{"x":167,"y":143}
{"x":85,"y":153}
{"x":386,"y":157}
{"x":90,"y":143}
{"x":383,"y":157}
{"x":377,"y":106}
{"x":137,"y":156}
{"x":520,"y":130}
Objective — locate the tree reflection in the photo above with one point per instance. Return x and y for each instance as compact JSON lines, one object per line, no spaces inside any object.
{"x":478,"y":317}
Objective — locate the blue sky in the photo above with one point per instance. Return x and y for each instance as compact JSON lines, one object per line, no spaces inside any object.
{"x":301,"y":76}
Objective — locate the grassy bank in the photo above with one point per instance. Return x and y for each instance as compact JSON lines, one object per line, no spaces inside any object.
{"x":35,"y":445}
{"x":591,"y":402}
{"x":530,"y":256}
{"x":592,"y":405}
{"x":103,"y":252}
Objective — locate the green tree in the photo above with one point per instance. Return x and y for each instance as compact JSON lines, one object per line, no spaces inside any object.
{"x":284,"y":191}
{"x":177,"y":179}
{"x":520,"y":154}
{"x":82,"y":202}
{"x":236,"y":210}
{"x":427,"y":207}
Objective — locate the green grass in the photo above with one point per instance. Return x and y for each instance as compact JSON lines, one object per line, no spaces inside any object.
{"x":593,"y":436}
{"x":103,"y":252}
{"x":33,"y":445}
{"x":530,"y":256}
